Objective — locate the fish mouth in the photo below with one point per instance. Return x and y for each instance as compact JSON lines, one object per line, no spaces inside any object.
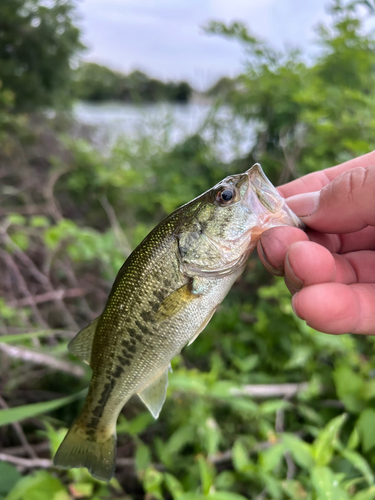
{"x":264,"y":200}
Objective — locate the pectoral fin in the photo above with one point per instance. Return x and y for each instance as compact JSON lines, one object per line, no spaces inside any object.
{"x":154,"y":394}
{"x":81,"y":345}
{"x":175,"y":302}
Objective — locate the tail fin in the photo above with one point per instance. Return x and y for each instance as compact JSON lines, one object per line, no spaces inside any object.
{"x":80,"y":450}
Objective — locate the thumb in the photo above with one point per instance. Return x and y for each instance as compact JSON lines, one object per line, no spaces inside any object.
{"x":344,"y":205}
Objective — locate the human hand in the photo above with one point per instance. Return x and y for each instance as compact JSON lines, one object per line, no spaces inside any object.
{"x":330,"y":269}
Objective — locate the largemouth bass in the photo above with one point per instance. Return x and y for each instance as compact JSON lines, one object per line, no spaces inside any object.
{"x":163,"y":297}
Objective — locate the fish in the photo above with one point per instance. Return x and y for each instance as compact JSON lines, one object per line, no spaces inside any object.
{"x":164,"y":295}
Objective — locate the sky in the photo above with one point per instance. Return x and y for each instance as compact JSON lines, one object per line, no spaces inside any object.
{"x":165,"y":39}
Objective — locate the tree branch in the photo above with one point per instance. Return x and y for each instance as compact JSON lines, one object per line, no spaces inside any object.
{"x":271,"y":390}
{"x":40,"y":358}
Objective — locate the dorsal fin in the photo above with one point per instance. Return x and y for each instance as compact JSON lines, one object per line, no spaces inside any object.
{"x":154,"y":394}
{"x":81,"y":345}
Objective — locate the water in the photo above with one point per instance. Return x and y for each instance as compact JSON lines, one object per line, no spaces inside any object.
{"x":169,"y":124}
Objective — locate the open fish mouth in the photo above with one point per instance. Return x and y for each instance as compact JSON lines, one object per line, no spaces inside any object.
{"x":264,"y":200}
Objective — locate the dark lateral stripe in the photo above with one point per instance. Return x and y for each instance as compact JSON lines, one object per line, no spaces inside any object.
{"x":99,"y":408}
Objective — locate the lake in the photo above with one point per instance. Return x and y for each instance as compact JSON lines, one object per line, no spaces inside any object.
{"x":168,"y":123}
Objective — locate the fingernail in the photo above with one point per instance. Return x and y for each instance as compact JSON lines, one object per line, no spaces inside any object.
{"x":294,"y":306}
{"x":271,"y":269}
{"x":304,"y":204}
{"x":296,"y":282}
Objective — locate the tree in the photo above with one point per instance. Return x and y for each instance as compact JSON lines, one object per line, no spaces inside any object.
{"x":309,"y":116}
{"x":37,"y":43}
{"x":94,"y":82}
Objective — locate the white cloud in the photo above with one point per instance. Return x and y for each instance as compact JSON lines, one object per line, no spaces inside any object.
{"x":165,"y":38}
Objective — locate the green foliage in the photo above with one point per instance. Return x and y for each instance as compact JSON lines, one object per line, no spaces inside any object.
{"x":308,"y":117}
{"x":11,"y":415}
{"x":39,"y":485}
{"x":37,"y":42}
{"x":93,"y":82}
{"x":222,"y":87}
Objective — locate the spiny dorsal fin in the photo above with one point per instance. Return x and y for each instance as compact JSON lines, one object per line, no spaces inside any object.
{"x":81,"y":345}
{"x":154,"y":394}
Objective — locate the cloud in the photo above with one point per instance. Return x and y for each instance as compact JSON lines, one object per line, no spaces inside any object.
{"x":165,"y":38}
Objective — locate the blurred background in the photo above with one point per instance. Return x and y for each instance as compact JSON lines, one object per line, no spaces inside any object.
{"x":114,"y":113}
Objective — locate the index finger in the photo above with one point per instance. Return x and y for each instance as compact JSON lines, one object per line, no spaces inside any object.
{"x":317,"y":180}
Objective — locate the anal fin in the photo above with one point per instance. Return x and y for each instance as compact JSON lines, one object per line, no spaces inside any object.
{"x":81,"y":345}
{"x":153,"y":396}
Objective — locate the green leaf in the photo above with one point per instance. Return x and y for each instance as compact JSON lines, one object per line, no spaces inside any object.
{"x":38,"y":486}
{"x":20,"y":337}
{"x":179,"y":439}
{"x":11,"y":415}
{"x":82,"y":489}
{"x":192,"y":496}
{"x":187,"y":382}
{"x":243,"y":406}
{"x":174,"y":486}
{"x":152,"y":482}
{"x":348,"y":386}
{"x":16,"y":219}
{"x":271,"y":457}
{"x":39,"y":221}
{"x":211,"y":435}
{"x":360,"y":464}
{"x":135,"y":426}
{"x":353,"y":440}
{"x":294,"y":489}
{"x":323,"y":445}
{"x":223,"y":389}
{"x":21,"y":240}
{"x":366,"y":426}
{"x":326,"y":485}
{"x":142,"y":458}
{"x":274,"y":406}
{"x":225,"y":480}
{"x":9,"y":476}
{"x":272,"y":484}
{"x":225,"y":495}
{"x":207,"y":474}
{"x":365,"y":495}
{"x":301,"y":451}
{"x":240,"y":456}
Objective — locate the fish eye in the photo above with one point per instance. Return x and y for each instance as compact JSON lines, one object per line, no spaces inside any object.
{"x":225,"y":195}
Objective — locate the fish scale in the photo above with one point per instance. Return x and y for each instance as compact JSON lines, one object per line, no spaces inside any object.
{"x":163,"y":296}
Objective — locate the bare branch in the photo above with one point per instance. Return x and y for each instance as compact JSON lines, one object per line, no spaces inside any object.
{"x":271,"y":390}
{"x":53,"y":206}
{"x":48,"y":297}
{"x":45,"y":463}
{"x":19,"y":431}
{"x":20,"y":450}
{"x":42,"y":359}
{"x":27,"y":463}
{"x":23,"y":286}
{"x":73,"y":281}
{"x":44,"y":280}
{"x":24,"y":209}
{"x":119,"y":233}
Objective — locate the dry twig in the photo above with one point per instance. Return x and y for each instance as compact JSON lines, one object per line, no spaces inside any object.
{"x":19,"y":431}
{"x":42,"y":359}
{"x":271,"y":390}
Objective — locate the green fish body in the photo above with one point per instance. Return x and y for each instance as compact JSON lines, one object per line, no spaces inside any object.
{"x":163,"y":297}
